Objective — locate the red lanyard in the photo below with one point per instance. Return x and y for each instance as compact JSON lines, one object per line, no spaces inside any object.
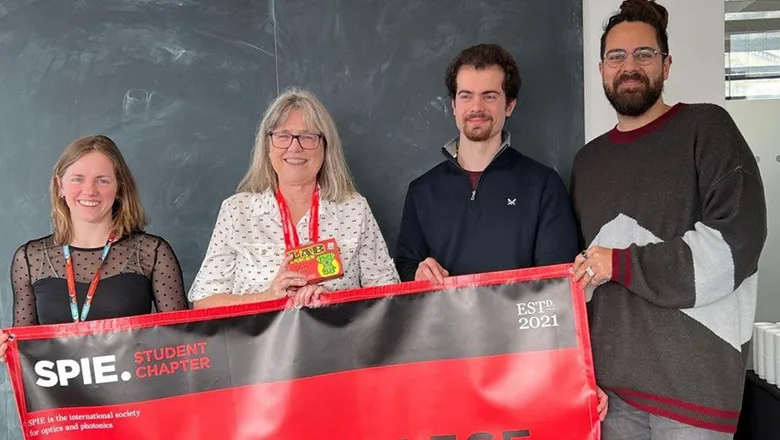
{"x":290,"y":233}
{"x":74,"y":307}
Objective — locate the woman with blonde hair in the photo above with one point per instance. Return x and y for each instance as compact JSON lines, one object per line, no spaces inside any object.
{"x":98,"y":263}
{"x":297,"y":191}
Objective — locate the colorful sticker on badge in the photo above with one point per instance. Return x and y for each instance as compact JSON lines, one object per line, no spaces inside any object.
{"x":318,"y":261}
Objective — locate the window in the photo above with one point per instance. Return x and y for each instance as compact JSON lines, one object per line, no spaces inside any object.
{"x":752,"y":57}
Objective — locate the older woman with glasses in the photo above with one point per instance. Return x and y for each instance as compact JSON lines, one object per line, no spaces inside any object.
{"x":297,"y":191}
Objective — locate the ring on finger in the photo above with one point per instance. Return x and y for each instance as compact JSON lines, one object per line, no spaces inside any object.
{"x":584,"y":254}
{"x":590,"y":271}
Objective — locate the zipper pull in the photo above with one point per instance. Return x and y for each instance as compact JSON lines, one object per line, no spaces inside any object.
{"x":473,"y":195}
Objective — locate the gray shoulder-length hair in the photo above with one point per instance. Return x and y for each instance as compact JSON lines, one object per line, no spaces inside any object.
{"x":333,"y":178}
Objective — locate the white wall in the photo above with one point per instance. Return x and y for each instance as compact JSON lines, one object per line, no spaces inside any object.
{"x":758,"y":122}
{"x":696,"y":34}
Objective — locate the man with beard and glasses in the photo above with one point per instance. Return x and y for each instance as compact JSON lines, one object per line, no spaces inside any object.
{"x":672,"y":206}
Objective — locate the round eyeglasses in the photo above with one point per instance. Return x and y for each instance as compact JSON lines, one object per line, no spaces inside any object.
{"x":643,"y":56}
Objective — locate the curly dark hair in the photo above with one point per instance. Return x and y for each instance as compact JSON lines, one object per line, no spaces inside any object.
{"x":644,"y":11}
{"x":482,"y":56}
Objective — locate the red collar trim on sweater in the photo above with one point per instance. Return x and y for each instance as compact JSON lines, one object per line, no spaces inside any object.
{"x":618,"y":136}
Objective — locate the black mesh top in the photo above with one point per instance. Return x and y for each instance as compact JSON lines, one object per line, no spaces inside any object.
{"x":140,"y":270}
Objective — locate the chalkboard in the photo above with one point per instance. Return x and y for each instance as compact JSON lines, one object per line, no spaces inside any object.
{"x":180,"y":85}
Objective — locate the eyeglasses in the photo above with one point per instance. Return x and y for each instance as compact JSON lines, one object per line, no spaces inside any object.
{"x":643,"y":56}
{"x":307,"y":141}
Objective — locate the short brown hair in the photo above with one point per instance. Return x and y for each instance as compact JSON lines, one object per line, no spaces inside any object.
{"x":483,"y":56}
{"x":127,"y":212}
{"x":643,"y":11}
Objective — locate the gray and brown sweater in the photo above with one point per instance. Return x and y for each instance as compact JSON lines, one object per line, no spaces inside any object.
{"x":682,"y":204}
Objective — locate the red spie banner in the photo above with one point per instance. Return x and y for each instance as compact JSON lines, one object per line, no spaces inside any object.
{"x":499,"y":356}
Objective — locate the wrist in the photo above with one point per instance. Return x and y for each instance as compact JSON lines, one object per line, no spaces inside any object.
{"x":266,"y":295}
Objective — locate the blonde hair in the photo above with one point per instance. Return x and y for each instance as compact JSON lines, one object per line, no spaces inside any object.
{"x":127,"y":213}
{"x":333,"y":178}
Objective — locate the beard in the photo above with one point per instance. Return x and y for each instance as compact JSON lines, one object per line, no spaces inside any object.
{"x":637,"y":101}
{"x":480,"y":133}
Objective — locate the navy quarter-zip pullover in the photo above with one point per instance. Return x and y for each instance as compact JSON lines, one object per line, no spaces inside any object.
{"x":518,"y":216}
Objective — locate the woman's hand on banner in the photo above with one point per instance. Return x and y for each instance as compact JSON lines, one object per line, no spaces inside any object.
{"x":603,"y":404}
{"x":430,"y":269}
{"x":308,"y":296}
{"x":3,"y":345}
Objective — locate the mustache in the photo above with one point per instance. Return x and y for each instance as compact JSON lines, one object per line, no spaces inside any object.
{"x":478,"y":115}
{"x":631,"y":76}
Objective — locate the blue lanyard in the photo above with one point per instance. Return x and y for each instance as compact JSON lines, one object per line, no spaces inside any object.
{"x":71,"y":278}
